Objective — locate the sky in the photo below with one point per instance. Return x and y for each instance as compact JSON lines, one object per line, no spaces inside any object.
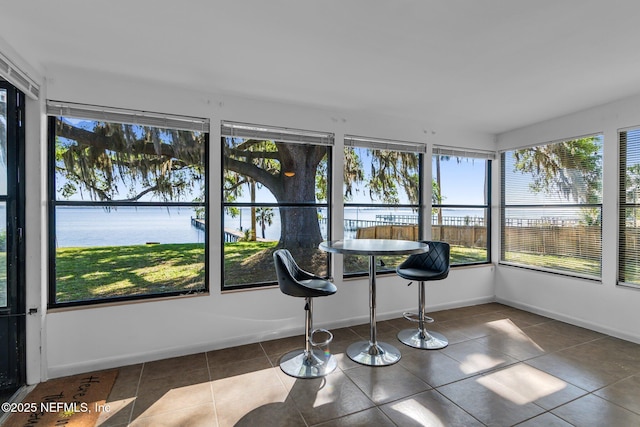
{"x":462,"y":183}
{"x":123,"y":194}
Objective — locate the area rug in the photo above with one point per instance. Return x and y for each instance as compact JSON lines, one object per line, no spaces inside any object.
{"x":75,"y":401}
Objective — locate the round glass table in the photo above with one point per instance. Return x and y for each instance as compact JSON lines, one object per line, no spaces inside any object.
{"x":372,"y":352}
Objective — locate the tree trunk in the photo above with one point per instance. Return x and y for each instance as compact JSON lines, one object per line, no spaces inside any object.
{"x":294,"y":182}
{"x":252,"y":191}
{"x":299,"y":226}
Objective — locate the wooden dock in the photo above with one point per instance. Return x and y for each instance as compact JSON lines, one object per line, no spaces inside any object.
{"x":230,"y":235}
{"x":198,"y":223}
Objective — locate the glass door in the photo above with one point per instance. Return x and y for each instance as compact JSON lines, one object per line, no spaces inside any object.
{"x":12,"y":301}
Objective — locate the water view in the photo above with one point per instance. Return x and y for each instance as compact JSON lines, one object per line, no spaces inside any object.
{"x":83,"y":227}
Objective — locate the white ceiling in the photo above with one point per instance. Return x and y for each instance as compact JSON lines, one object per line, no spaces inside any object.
{"x":486,"y":65}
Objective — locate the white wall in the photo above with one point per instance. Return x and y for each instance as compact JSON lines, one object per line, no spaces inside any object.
{"x":35,"y":238}
{"x":602,"y":306}
{"x":100,"y":337}
{"x":35,"y":223}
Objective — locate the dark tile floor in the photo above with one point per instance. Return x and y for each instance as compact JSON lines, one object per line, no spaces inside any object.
{"x":503,"y":366}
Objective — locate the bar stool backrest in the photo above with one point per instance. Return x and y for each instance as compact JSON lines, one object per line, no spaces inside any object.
{"x":435,"y":262}
{"x":296,"y":282}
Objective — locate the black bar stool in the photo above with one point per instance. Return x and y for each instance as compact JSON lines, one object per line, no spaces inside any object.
{"x":431,"y":265}
{"x":293,"y":281}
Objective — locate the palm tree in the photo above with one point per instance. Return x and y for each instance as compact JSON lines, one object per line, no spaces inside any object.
{"x":264,"y":217}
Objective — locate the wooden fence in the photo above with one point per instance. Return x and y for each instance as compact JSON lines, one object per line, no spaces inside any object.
{"x":573,"y":241}
{"x":468,"y":236}
{"x":577,"y":241}
{"x":396,"y":232}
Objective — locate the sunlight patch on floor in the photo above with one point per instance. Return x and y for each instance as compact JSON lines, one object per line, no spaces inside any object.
{"x":523,"y":337}
{"x":418,"y":412}
{"x":114,"y":407}
{"x":508,"y":328}
{"x":478,"y":362}
{"x":522,"y":384}
{"x":326,"y":395}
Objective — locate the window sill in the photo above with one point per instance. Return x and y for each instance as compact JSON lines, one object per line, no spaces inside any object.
{"x":93,"y":304}
{"x":566,"y":274}
{"x":248,"y":289}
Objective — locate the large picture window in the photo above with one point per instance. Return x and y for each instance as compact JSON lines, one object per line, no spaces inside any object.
{"x":460,"y":215}
{"x":629,"y":253}
{"x":382,"y":196}
{"x":275,"y":194}
{"x":552,"y":207}
{"x":127,"y":195}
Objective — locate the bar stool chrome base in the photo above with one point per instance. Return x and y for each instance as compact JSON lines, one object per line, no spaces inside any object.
{"x":422,"y":339}
{"x":314,"y":364}
{"x":379,"y":354}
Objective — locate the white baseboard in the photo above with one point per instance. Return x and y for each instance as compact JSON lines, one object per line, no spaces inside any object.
{"x":131,"y":359}
{"x":572,"y":320}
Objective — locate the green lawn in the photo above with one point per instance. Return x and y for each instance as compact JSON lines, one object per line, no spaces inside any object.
{"x":459,"y":255}
{"x":462,"y":255}
{"x":556,"y":262}
{"x":251,"y":262}
{"x":248,"y":262}
{"x":118,"y":271}
{"x":631,"y":273}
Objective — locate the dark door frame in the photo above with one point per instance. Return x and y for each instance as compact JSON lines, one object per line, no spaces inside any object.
{"x":13,"y":316}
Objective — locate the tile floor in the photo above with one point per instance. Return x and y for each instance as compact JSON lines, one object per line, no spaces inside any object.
{"x":503,"y":367}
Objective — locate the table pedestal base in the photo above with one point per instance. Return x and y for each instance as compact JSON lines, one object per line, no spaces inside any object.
{"x":380,"y":354}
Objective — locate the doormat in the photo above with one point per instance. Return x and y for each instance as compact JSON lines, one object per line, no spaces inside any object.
{"x":75,"y":401}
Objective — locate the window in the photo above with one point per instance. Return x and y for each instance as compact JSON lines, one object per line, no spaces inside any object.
{"x":275,"y":194}
{"x":629,"y":258}
{"x":552,"y":207}
{"x":461,"y":194}
{"x":127,"y":192}
{"x":382,"y":196}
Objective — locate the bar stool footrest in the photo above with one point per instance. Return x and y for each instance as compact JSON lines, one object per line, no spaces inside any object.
{"x":323,"y":343}
{"x":414,"y":317}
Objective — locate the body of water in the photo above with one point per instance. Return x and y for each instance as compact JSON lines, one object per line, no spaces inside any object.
{"x":124,"y":226}
{"x":133,"y":226}
{"x":243,"y":221}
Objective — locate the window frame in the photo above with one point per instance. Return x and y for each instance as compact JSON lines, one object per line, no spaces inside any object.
{"x":504,"y":207}
{"x":488,"y":158}
{"x":623,"y":205}
{"x":55,"y":110}
{"x":12,"y":312}
{"x":352,"y":141}
{"x":230,"y":129}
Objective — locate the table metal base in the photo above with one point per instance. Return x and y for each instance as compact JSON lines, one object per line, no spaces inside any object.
{"x":380,"y":354}
{"x":429,"y":341}
{"x":372,"y":352}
